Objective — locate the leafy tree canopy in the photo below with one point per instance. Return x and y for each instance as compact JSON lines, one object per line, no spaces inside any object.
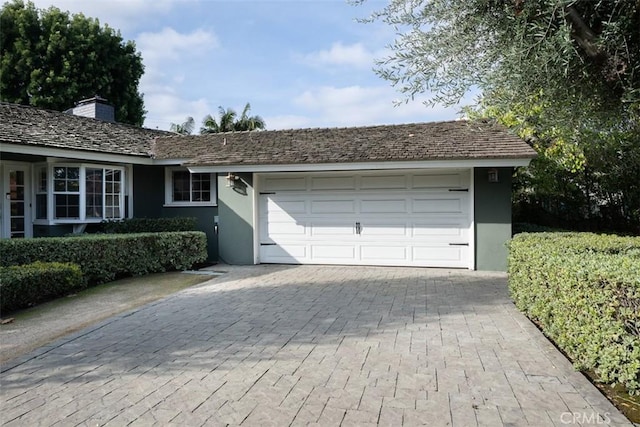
{"x":228,"y":121}
{"x":580,"y":58}
{"x":51,"y":59}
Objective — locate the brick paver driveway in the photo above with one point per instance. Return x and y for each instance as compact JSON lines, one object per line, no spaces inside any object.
{"x":283,"y":345}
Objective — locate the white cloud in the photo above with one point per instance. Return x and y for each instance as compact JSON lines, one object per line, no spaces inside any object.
{"x":168,"y":107}
{"x":168,"y":44}
{"x":124,"y":15}
{"x":355,"y":55}
{"x":360,"y":106}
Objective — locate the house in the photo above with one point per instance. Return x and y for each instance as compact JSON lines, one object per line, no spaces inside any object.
{"x":428,"y":194}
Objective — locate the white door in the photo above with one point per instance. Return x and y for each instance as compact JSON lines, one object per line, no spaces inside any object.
{"x":16,"y":206}
{"x":390,"y":218}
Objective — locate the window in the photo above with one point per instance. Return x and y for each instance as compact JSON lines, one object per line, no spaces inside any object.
{"x":41,"y":192}
{"x":79,"y":192}
{"x":66,"y":192}
{"x":185,"y":188}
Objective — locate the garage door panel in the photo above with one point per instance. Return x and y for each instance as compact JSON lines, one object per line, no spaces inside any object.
{"x":286,"y":206}
{"x":321,"y":252}
{"x":444,"y":180}
{"x":422,"y":230}
{"x":333,"y":207}
{"x":332,"y":229}
{"x":386,"y":182}
{"x":452,"y":254}
{"x":333,"y":183}
{"x":284,"y":253}
{"x":373,"y":229}
{"x":284,"y":184}
{"x":383,"y":254}
{"x":285,"y":229}
{"x":380,"y":205}
{"x":438,"y":205}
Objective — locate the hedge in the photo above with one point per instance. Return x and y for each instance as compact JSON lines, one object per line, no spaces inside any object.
{"x":583,"y":290}
{"x":103,"y":257}
{"x":149,"y":225}
{"x":25,"y":285}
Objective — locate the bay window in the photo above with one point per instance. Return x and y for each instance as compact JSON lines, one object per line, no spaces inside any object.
{"x":79,"y":193}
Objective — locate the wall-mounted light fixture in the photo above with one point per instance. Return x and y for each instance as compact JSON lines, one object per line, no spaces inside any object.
{"x":232,"y":179}
{"x":492,"y":175}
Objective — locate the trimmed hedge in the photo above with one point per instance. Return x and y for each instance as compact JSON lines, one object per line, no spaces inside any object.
{"x":26,"y":285}
{"x":149,"y":225}
{"x":103,"y":257}
{"x":583,"y":290}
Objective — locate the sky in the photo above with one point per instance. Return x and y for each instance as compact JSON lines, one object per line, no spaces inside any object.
{"x":300,"y":64}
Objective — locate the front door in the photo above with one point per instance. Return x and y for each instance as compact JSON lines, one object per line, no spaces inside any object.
{"x":16,"y":206}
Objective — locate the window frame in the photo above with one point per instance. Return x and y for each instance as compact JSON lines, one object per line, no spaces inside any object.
{"x":83,"y":218}
{"x":168,"y":189}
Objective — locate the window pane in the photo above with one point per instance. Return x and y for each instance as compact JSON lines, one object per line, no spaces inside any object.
{"x":93,"y":193}
{"x":181,"y":186}
{"x":67,"y":206}
{"x":201,"y":187}
{"x":113,"y":195}
{"x":41,"y":206}
{"x":41,"y":180}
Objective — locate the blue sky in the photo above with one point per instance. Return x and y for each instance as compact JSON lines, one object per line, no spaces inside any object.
{"x":299,"y":63}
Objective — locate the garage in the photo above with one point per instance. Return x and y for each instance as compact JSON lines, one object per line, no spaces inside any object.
{"x":394,"y":218}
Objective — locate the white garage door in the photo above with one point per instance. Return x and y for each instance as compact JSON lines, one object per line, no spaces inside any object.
{"x":400,"y":219}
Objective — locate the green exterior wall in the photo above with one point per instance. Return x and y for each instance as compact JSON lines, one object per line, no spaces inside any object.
{"x":148,"y":202}
{"x":235,"y":210}
{"x":492,"y":219}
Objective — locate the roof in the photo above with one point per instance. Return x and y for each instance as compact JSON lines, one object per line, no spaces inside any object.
{"x":26,"y":125}
{"x":451,"y":140}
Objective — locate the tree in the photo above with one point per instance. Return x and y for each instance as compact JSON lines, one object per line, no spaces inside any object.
{"x":184,"y":128}
{"x":227,"y":121}
{"x":51,"y":59}
{"x":582,"y":54}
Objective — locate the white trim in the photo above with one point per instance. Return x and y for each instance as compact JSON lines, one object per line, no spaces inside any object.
{"x":256,"y":220}
{"x":321,"y":167}
{"x":74,"y":155}
{"x":168,"y":189}
{"x":472,"y":219}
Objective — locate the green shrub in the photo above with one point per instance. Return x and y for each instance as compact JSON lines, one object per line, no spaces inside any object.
{"x":149,"y":225}
{"x":104,"y":257}
{"x":25,"y":285}
{"x":583,"y":290}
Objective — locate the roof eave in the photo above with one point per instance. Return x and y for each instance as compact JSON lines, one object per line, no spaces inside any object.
{"x":385,"y":165}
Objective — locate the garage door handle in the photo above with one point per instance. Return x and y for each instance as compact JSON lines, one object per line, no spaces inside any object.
{"x":458,"y":244}
{"x":358,"y":228}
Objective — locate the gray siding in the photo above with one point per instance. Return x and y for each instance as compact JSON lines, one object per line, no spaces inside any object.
{"x":148,"y":202}
{"x":235,"y":209}
{"x":492,"y":219}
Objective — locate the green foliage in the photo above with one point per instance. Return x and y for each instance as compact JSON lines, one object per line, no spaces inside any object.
{"x":584,"y":291}
{"x":570,"y":54}
{"x":51,"y":59}
{"x":150,"y":225}
{"x":228,"y":121}
{"x":105,"y":257}
{"x":24,"y":285}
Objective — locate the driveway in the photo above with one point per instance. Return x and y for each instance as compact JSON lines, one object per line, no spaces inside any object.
{"x":284,"y":345}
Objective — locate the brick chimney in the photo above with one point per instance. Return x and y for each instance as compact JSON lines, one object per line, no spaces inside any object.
{"x":96,"y":108}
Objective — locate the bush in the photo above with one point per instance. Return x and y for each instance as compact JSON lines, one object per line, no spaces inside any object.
{"x":25,"y":285}
{"x":104,"y":257}
{"x":583,"y":290}
{"x":149,"y":225}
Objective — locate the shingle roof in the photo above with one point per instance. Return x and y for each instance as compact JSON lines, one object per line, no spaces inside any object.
{"x":25,"y":125}
{"x":453,"y":140}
